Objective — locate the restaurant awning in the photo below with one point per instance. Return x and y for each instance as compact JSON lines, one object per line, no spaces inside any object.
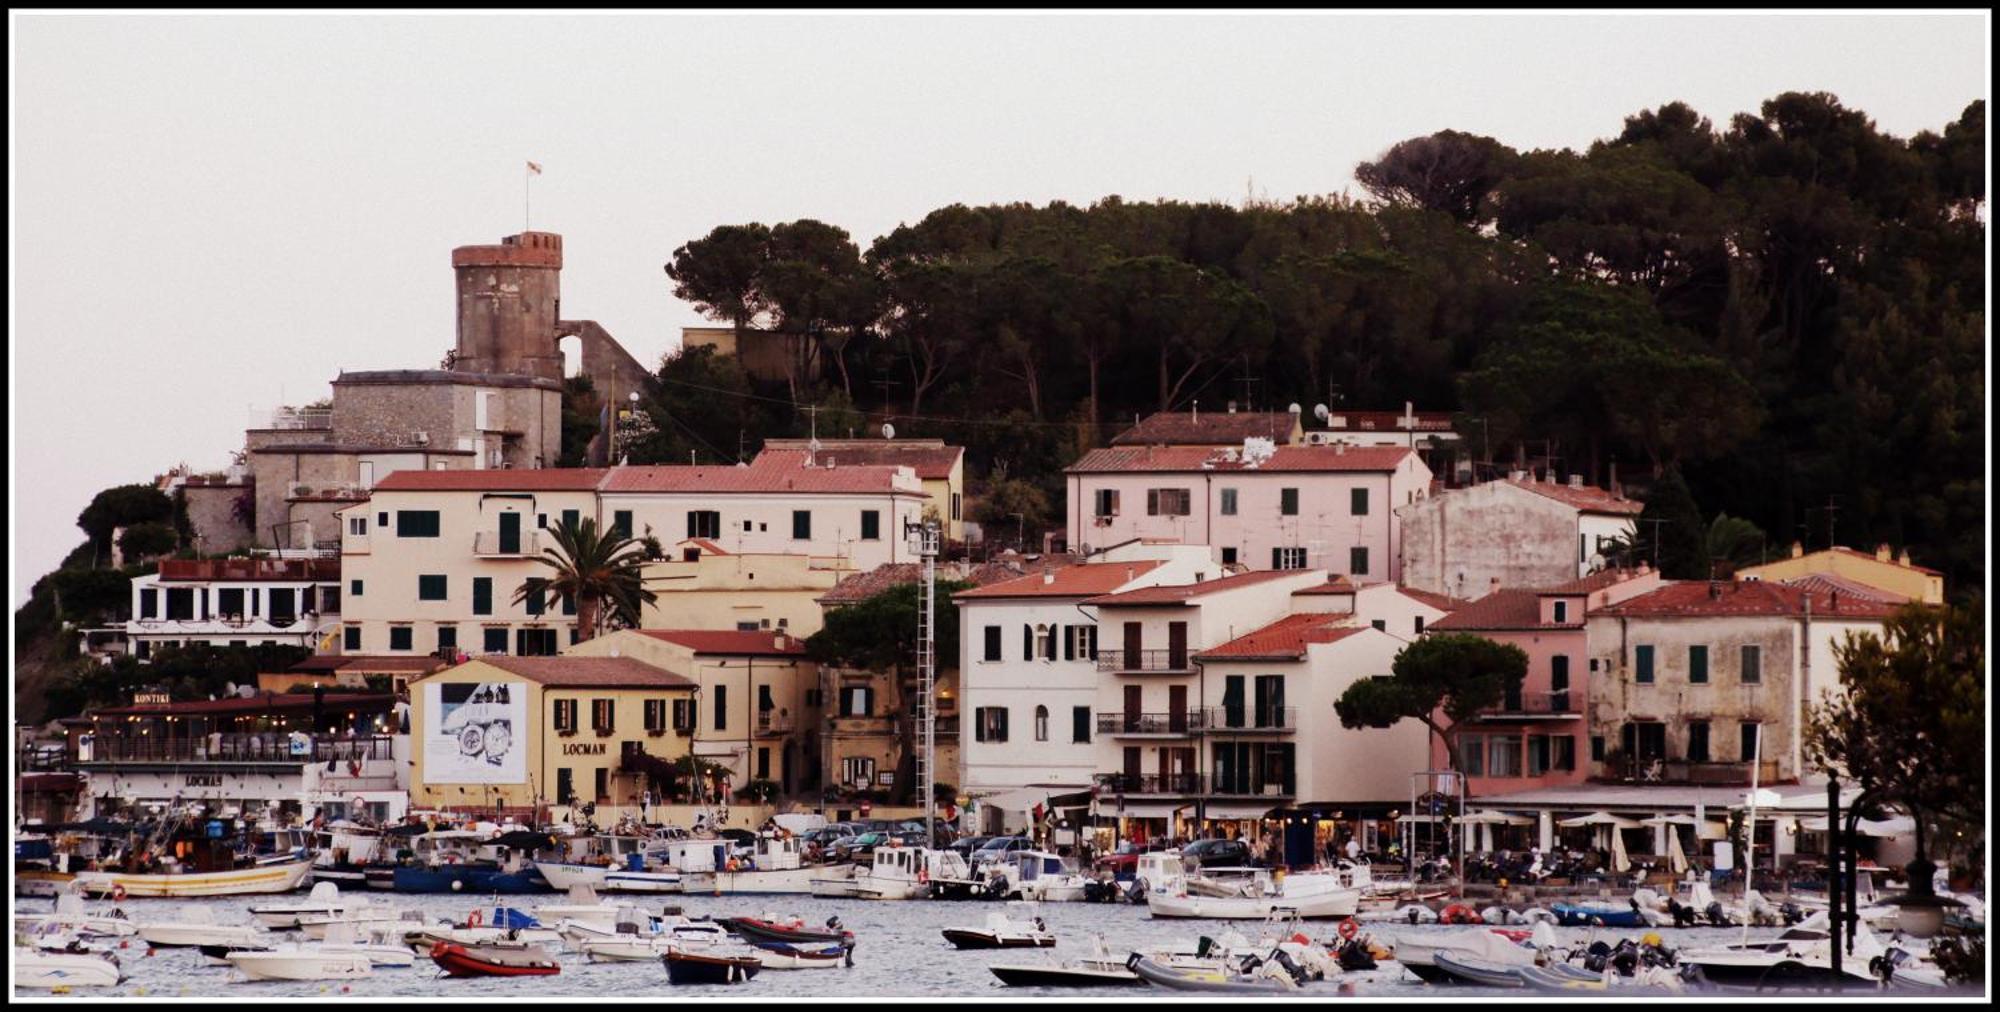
{"x":1602,"y":819}
{"x":1491,"y":818}
{"x":1901,"y":825}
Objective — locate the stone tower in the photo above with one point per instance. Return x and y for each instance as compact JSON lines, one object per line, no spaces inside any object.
{"x":509,"y":297}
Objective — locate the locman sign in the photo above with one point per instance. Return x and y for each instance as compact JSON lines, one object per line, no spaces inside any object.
{"x":584,"y":748}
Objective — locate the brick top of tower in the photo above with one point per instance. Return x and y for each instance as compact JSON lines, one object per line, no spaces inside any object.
{"x":528,"y":249}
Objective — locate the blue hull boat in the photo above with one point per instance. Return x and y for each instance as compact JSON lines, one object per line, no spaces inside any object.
{"x":464,"y":878}
{"x":1572,"y":915}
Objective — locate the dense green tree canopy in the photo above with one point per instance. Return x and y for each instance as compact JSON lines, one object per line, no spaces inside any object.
{"x":1441,"y":680}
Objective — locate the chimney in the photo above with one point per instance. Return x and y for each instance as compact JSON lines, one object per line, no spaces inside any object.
{"x":1128,"y":574}
{"x":1798,"y":549}
{"x":779,"y":641}
{"x":1882,"y":552}
{"x":1493,"y":586}
{"x":1576,"y":481}
{"x":1903,"y":558}
{"x":1232,"y":407}
{"x":1714,"y":591}
{"x":1048,"y":575}
{"x":1616,"y":489}
{"x":1340,"y":449}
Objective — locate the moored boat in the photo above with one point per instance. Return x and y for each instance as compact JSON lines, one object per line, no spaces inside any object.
{"x":1254,"y":894}
{"x":197,"y":926}
{"x":763,"y":929}
{"x":1080,"y":973}
{"x":494,"y":959}
{"x":44,"y":968}
{"x":1002,"y":932}
{"x":713,"y":966}
{"x":300,"y":963}
{"x":325,"y":899}
{"x":279,"y":877}
{"x":788,"y":956}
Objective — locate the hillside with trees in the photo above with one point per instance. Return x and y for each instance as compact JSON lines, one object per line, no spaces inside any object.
{"x":1785,"y":310}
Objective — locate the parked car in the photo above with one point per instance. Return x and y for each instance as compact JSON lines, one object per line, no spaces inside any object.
{"x":1217,"y":854}
{"x":998,"y":848}
{"x":1124,"y":862}
{"x":965,"y":846}
{"x":857,"y":848}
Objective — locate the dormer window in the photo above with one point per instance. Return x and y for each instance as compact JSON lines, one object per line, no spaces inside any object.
{"x":1562,"y":612}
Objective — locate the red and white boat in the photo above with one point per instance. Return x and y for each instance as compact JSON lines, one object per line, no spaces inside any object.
{"x":494,"y":959}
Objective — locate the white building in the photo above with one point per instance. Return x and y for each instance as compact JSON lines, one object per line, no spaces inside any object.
{"x":235,"y":602}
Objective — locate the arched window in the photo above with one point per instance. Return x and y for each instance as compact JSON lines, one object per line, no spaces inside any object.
{"x":1045,"y":642}
{"x":1041,"y":723}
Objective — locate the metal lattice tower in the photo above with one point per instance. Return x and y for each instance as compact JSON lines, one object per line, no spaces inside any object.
{"x":925,"y":536}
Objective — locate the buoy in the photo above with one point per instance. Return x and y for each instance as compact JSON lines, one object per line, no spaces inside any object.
{"x":346,"y":989}
{"x":126,"y":944}
{"x":150,"y":953}
{"x":457,"y":884}
{"x":1348,"y":929}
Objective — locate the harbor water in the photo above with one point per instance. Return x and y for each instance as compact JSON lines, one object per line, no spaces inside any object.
{"x":899,"y":952}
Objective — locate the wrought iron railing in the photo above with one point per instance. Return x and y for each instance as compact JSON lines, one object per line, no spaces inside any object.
{"x":1178,"y":722}
{"x":1144,"y":660}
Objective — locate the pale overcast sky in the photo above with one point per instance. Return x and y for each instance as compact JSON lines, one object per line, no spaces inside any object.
{"x":214,"y":214}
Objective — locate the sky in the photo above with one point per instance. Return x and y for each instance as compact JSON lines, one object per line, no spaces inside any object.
{"x":212,"y":215}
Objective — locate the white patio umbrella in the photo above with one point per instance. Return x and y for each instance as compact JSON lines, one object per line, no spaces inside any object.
{"x":1602,"y":819}
{"x":1620,"y":862}
{"x":1491,"y":818}
{"x":1677,"y":861}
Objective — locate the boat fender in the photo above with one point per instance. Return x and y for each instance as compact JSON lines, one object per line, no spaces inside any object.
{"x":118,"y":892}
{"x":474,"y":919}
{"x":1348,"y":929}
{"x":923,"y":875}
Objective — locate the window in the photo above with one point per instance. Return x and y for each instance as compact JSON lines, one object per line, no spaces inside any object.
{"x":1597,"y":748}
{"x":1079,"y":725}
{"x":1564,"y":757}
{"x":1357,"y":502}
{"x":1646,"y":740}
{"x":447,"y":637}
{"x":957,"y":505}
{"x":329,"y":599}
{"x":858,"y":771}
{"x":536,"y":600}
{"x":1168,"y":502}
{"x":992,"y":643}
{"x":351,"y":638}
{"x":1697,"y":664}
{"x":1106,"y":502}
{"x":603,"y":785}
{"x":704,"y":524}
{"x":416,"y":523}
{"x":1503,"y":755}
{"x":541,"y":521}
{"x":1045,"y":642}
{"x":1643,"y":661}
{"x":621,"y":523}
{"x":656,"y":715}
{"x":431,"y":588}
{"x":565,"y":716}
{"x":1753,"y":665}
{"x":1288,"y":502}
{"x":229,"y":601}
{"x":1472,"y":752}
{"x":990,"y":723}
{"x":149,"y":601}
{"x":482,"y":595}
{"x":684,"y":715}
{"x":1697,"y":741}
{"x":1081,"y":643}
{"x":603,"y":716}
{"x":1041,"y":723}
{"x":357,"y":526}
{"x":1746,"y":740}
{"x":871,"y":525}
{"x":1559,"y":683}
{"x":565,"y":787}
{"x":401,"y":637}
{"x":571,"y":518}
{"x":1229,"y":502}
{"x":1419,"y":630}
{"x":1562,"y":612}
{"x":1538,"y":754}
{"x":535,"y":642}
{"x":180,"y":604}
{"x":568,"y":604}
{"x":1229,"y":556}
{"x":1288,"y":558}
{"x":1357,"y":560}
{"x":802,"y":525}
{"x":857,"y":701}
{"x":382,"y":519}
{"x":495,"y":641}
{"x":763,"y":763}
{"x":354,"y":588}
{"x":721,"y":707}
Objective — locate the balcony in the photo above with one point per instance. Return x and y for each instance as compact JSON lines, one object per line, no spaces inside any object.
{"x":293,"y":419}
{"x":342,"y":491}
{"x":1564,"y":705}
{"x":266,"y":747}
{"x":1148,"y":662}
{"x":770,"y":722}
{"x":1149,"y":725}
{"x":490,"y":543}
{"x":1686,"y":771}
{"x":1249,"y":787}
{"x":1168,"y":784}
{"x":1252,"y":719}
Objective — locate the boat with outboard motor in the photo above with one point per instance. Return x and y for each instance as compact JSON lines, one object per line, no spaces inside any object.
{"x":325,"y":899}
{"x":40,"y":968}
{"x":494,"y":959}
{"x":706,"y":964}
{"x":198,"y":926}
{"x":1254,"y":894}
{"x":1003,"y":932}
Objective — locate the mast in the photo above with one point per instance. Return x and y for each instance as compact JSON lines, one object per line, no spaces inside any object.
{"x":926,"y":536}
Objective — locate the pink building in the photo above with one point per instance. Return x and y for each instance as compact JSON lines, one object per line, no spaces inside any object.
{"x":1260,"y":506}
{"x":1539,"y":735}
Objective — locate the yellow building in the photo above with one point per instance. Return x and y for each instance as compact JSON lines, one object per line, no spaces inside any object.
{"x":756,"y":704}
{"x":941,"y":468}
{"x":705,"y":587}
{"x":1882,"y":571}
{"x":516,"y":733}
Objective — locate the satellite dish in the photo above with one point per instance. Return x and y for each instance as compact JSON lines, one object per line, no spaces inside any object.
{"x":1320,"y":412}
{"x":888,"y":431}
{"x":1295,"y":409}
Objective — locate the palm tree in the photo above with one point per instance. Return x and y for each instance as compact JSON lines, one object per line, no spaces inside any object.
{"x":601,"y":573}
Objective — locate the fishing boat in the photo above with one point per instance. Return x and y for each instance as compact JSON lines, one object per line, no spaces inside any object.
{"x":449,"y":861}
{"x":47,"y":968}
{"x":774,"y":865}
{"x":897,"y":872}
{"x":1254,"y":894}
{"x":295,"y":962}
{"x":278,"y":877}
{"x":284,"y":914}
{"x":1002,"y":932}
{"x":788,"y":956}
{"x":690,"y":965}
{"x":197,"y":926}
{"x":494,"y":959}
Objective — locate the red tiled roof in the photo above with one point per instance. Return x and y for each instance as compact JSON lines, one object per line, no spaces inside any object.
{"x":1828,"y":583}
{"x":1439,"y":601}
{"x":1591,"y":584}
{"x":932,"y":463}
{"x":1387,"y":421}
{"x":1213,"y":428}
{"x":248,"y":570}
{"x":1087,"y":580}
{"x":1589,"y":499}
{"x":1502,"y":609}
{"x":732,"y":642}
{"x":368,"y":662}
{"x":1336,"y":583}
{"x":1701,"y":598}
{"x":265,"y":702}
{"x":1286,"y":638}
{"x":1184,"y":592}
{"x":862,"y":586}
{"x":778,"y":471}
{"x":589,"y":672}
{"x":1844,"y":550}
{"x":1194,"y":459}
{"x":539,"y":479}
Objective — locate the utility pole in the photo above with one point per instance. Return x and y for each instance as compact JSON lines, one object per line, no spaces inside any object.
{"x":1831,"y":511}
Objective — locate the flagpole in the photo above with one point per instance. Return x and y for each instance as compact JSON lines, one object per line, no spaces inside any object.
{"x":527,"y":178}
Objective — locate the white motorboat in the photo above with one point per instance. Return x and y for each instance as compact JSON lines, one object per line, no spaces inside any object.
{"x":1035,"y":875}
{"x":1255,"y":894}
{"x":382,"y":945}
{"x":198,"y":926}
{"x":774,"y":865}
{"x":301,"y":962}
{"x":1801,"y":955}
{"x":583,"y":904}
{"x":360,"y":915}
{"x":71,"y":914}
{"x":1417,"y":951}
{"x":325,"y":899}
{"x":636,"y":948}
{"x":835,"y":881}
{"x":1004,"y":932}
{"x":45,"y":968}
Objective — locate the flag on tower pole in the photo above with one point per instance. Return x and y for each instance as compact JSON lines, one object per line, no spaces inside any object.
{"x":527,"y":218}
{"x":535,"y":168}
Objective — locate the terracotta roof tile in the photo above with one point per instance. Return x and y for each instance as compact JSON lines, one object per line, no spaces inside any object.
{"x":1702,"y":598}
{"x":1086,"y":580}
{"x":1439,"y":601}
{"x":932,"y":463}
{"x":1593,"y":583}
{"x":1828,"y":584}
{"x":1184,"y":592}
{"x":1589,"y":499}
{"x":589,"y":672}
{"x":1502,"y":609}
{"x":1336,"y":583}
{"x":862,"y":586}
{"x":542,"y":479}
{"x":1286,"y":638}
{"x":1195,"y":459}
{"x":777,"y":471}
{"x":1212,"y":428}
{"x":732,"y":642}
